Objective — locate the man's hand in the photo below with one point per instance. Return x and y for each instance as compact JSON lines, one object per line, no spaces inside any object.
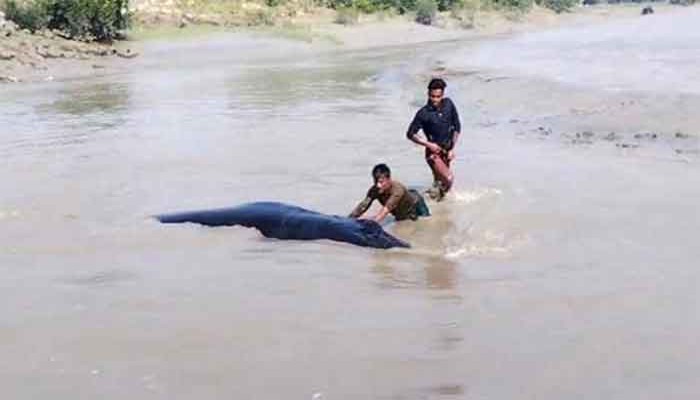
{"x":433,"y":147}
{"x":451,"y":155}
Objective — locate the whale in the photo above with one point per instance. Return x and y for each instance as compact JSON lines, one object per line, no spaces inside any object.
{"x":290,"y":222}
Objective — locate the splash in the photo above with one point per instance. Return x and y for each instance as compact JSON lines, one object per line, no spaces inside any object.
{"x":475,"y":250}
{"x":486,"y":244}
{"x":472,"y":196}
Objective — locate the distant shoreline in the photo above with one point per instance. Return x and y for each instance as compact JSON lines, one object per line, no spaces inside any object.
{"x":26,"y":57}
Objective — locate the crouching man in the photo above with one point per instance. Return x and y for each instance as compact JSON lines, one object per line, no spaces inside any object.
{"x":395,"y":199}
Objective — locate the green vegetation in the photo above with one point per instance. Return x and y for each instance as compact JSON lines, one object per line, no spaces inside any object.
{"x":304,"y":33}
{"x":466,"y":13}
{"x":171,"y":32}
{"x":347,"y":16}
{"x":558,"y":5}
{"x":512,"y":5}
{"x":105,"y":20}
{"x":100,"y":20}
{"x":402,"y":6}
{"x":21,"y":16}
{"x":426,"y":11}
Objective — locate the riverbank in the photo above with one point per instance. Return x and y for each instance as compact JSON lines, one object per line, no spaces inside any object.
{"x":47,"y":55}
{"x":383,"y":31}
{"x":44,"y":55}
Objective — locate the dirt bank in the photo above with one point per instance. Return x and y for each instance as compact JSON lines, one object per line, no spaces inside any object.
{"x":30,"y":57}
{"x":47,"y":55}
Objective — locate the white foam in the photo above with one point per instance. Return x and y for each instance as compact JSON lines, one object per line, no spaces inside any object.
{"x":8,"y":214}
{"x":472,"y":196}
{"x":477,"y":250}
{"x":490,"y":244}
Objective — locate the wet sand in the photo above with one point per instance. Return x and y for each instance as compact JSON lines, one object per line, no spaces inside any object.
{"x":563,"y":265}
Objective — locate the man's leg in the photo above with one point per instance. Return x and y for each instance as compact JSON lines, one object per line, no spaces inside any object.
{"x":441,"y":171}
{"x":422,"y":209}
{"x":434,"y":191}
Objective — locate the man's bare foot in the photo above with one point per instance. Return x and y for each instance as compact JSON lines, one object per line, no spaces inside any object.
{"x":442,"y":191}
{"x":437,"y":192}
{"x":434,"y":191}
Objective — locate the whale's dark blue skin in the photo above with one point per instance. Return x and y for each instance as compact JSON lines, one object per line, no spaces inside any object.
{"x":284,"y":221}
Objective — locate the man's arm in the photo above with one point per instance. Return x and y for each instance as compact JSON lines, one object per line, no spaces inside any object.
{"x":390,"y":205}
{"x":451,"y":152}
{"x":457,"y":131}
{"x":381,"y":214}
{"x":425,"y":143}
{"x":361,"y":208}
{"x":456,"y":124}
{"x":412,"y":134}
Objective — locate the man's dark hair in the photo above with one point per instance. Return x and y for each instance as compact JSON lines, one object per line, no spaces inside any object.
{"x":437,"y":83}
{"x":381,"y":170}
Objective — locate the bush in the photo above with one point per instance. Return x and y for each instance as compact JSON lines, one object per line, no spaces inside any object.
{"x":26,"y":16}
{"x":426,"y":11}
{"x":465,"y":11}
{"x":513,"y":5}
{"x":99,"y":20}
{"x":402,"y":6}
{"x":453,"y":5}
{"x":558,"y":5}
{"x":337,"y":4}
{"x":259,"y":17}
{"x":346,"y":16}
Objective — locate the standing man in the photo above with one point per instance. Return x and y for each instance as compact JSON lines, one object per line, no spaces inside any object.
{"x":439,"y":121}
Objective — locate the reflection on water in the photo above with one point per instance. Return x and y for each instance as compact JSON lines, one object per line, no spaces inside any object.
{"x":406,"y":270}
{"x":272,"y":87}
{"x":64,"y":115}
{"x":425,"y":266}
{"x":83,"y":109}
{"x":88,"y":99}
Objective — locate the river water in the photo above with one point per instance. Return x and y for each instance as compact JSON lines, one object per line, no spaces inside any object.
{"x":562,"y":266}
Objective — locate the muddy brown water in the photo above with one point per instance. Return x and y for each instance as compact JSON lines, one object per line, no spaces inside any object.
{"x":564,"y":265}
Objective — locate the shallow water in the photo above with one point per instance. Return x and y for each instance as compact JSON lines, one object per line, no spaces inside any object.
{"x":656,"y":52}
{"x":556,"y":269}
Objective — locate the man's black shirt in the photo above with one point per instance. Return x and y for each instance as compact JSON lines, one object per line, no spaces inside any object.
{"x":438,"y":124}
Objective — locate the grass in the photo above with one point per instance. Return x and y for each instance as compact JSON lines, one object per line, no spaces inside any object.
{"x":297,"y":32}
{"x":303,"y":33}
{"x":144,"y":33}
{"x":210,"y":7}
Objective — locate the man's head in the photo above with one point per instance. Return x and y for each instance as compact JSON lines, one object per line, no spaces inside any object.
{"x":382,"y":177}
{"x":436,"y":91}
